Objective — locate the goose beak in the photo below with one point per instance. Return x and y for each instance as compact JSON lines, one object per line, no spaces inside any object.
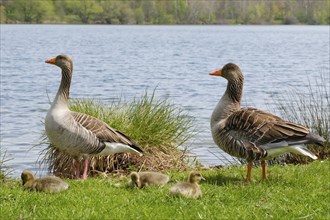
{"x":216,"y":73}
{"x":203,"y":178}
{"x":51,"y":61}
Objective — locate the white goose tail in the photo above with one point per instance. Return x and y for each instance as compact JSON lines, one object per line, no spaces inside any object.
{"x":113,"y":148}
{"x":275,"y":149}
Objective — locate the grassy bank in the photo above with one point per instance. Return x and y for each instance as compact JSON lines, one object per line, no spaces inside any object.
{"x":291,"y":192}
{"x":156,"y":125}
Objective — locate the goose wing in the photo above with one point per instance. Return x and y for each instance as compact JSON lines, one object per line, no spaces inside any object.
{"x":261,"y":127}
{"x":250,"y":129}
{"x":103,"y":131}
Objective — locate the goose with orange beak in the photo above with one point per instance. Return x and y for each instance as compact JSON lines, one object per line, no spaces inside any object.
{"x":78,"y":134}
{"x":253,"y":134}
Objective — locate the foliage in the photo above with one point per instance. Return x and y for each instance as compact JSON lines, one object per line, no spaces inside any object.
{"x":291,"y":192}
{"x":156,"y":125}
{"x":32,"y":11}
{"x":311,"y":110}
{"x":166,"y":11}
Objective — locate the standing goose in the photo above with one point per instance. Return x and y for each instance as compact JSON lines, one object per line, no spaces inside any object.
{"x":78,"y":134}
{"x":253,"y":134}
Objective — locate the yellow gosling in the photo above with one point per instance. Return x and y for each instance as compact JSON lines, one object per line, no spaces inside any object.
{"x":188,"y":189}
{"x":143,"y":179}
{"x":49,"y":184}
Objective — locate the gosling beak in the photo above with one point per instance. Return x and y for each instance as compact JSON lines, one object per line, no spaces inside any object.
{"x":216,"y":73}
{"x":51,"y":61}
{"x":203,"y":178}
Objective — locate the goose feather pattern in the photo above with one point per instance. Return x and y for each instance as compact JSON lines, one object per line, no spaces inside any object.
{"x":251,"y":133}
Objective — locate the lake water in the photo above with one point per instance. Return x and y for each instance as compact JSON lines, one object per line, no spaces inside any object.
{"x":125,"y":61}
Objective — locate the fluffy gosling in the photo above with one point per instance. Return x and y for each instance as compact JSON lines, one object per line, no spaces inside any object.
{"x":51,"y":184}
{"x":188,"y":189}
{"x":143,"y":179}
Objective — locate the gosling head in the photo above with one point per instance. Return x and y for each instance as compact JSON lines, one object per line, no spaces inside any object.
{"x":62,"y":61}
{"x":195,"y":177}
{"x":230,"y":71}
{"x":136,"y":179}
{"x":26,"y":176}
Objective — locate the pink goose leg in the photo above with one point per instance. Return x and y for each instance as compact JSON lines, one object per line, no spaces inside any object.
{"x":77,"y":168}
{"x":84,"y":176}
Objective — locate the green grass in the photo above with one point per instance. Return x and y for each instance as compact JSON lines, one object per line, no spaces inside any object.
{"x":149,"y":121}
{"x":291,"y":192}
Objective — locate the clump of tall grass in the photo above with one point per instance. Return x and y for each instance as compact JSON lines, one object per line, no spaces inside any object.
{"x":311,"y":110}
{"x":158,"y":126}
{"x":4,"y":169}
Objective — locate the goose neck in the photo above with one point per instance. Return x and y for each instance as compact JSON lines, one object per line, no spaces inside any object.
{"x":63,"y":92}
{"x":229,"y":102}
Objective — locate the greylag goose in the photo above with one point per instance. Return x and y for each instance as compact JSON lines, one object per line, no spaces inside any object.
{"x":50,"y":184}
{"x":253,"y":134}
{"x":78,"y":134}
{"x":189,"y":189}
{"x":148,"y":178}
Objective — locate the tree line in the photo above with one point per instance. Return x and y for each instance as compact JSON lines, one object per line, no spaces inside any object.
{"x":166,"y":11}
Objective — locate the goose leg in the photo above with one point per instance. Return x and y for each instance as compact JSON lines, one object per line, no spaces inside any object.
{"x":84,"y":176}
{"x":249,"y":171}
{"x":264,"y":171}
{"x":77,"y":169}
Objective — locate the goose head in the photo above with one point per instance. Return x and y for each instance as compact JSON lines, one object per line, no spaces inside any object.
{"x":195,"y":177}
{"x":230,"y":71}
{"x":27,"y":176}
{"x":62,"y":61}
{"x":135,"y":179}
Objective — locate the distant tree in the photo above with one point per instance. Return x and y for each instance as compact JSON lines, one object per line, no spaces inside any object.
{"x":181,"y":10}
{"x":166,"y":11}
{"x":110,"y":11}
{"x":139,"y":15}
{"x":32,"y":11}
{"x":126,"y":15}
{"x":321,"y":13}
{"x":163,"y":13}
{"x":3,"y":17}
{"x":256,"y":13}
{"x":86,"y":10}
{"x":149,"y":10}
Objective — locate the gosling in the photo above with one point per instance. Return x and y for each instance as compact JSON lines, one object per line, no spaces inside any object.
{"x":143,"y":179}
{"x":49,"y":184}
{"x":188,"y":189}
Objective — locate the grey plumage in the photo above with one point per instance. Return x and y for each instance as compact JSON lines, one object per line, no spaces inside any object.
{"x":78,"y":134}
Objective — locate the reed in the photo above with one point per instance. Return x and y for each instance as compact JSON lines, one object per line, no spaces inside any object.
{"x":5,"y":170}
{"x":311,"y":110}
{"x":158,"y":126}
